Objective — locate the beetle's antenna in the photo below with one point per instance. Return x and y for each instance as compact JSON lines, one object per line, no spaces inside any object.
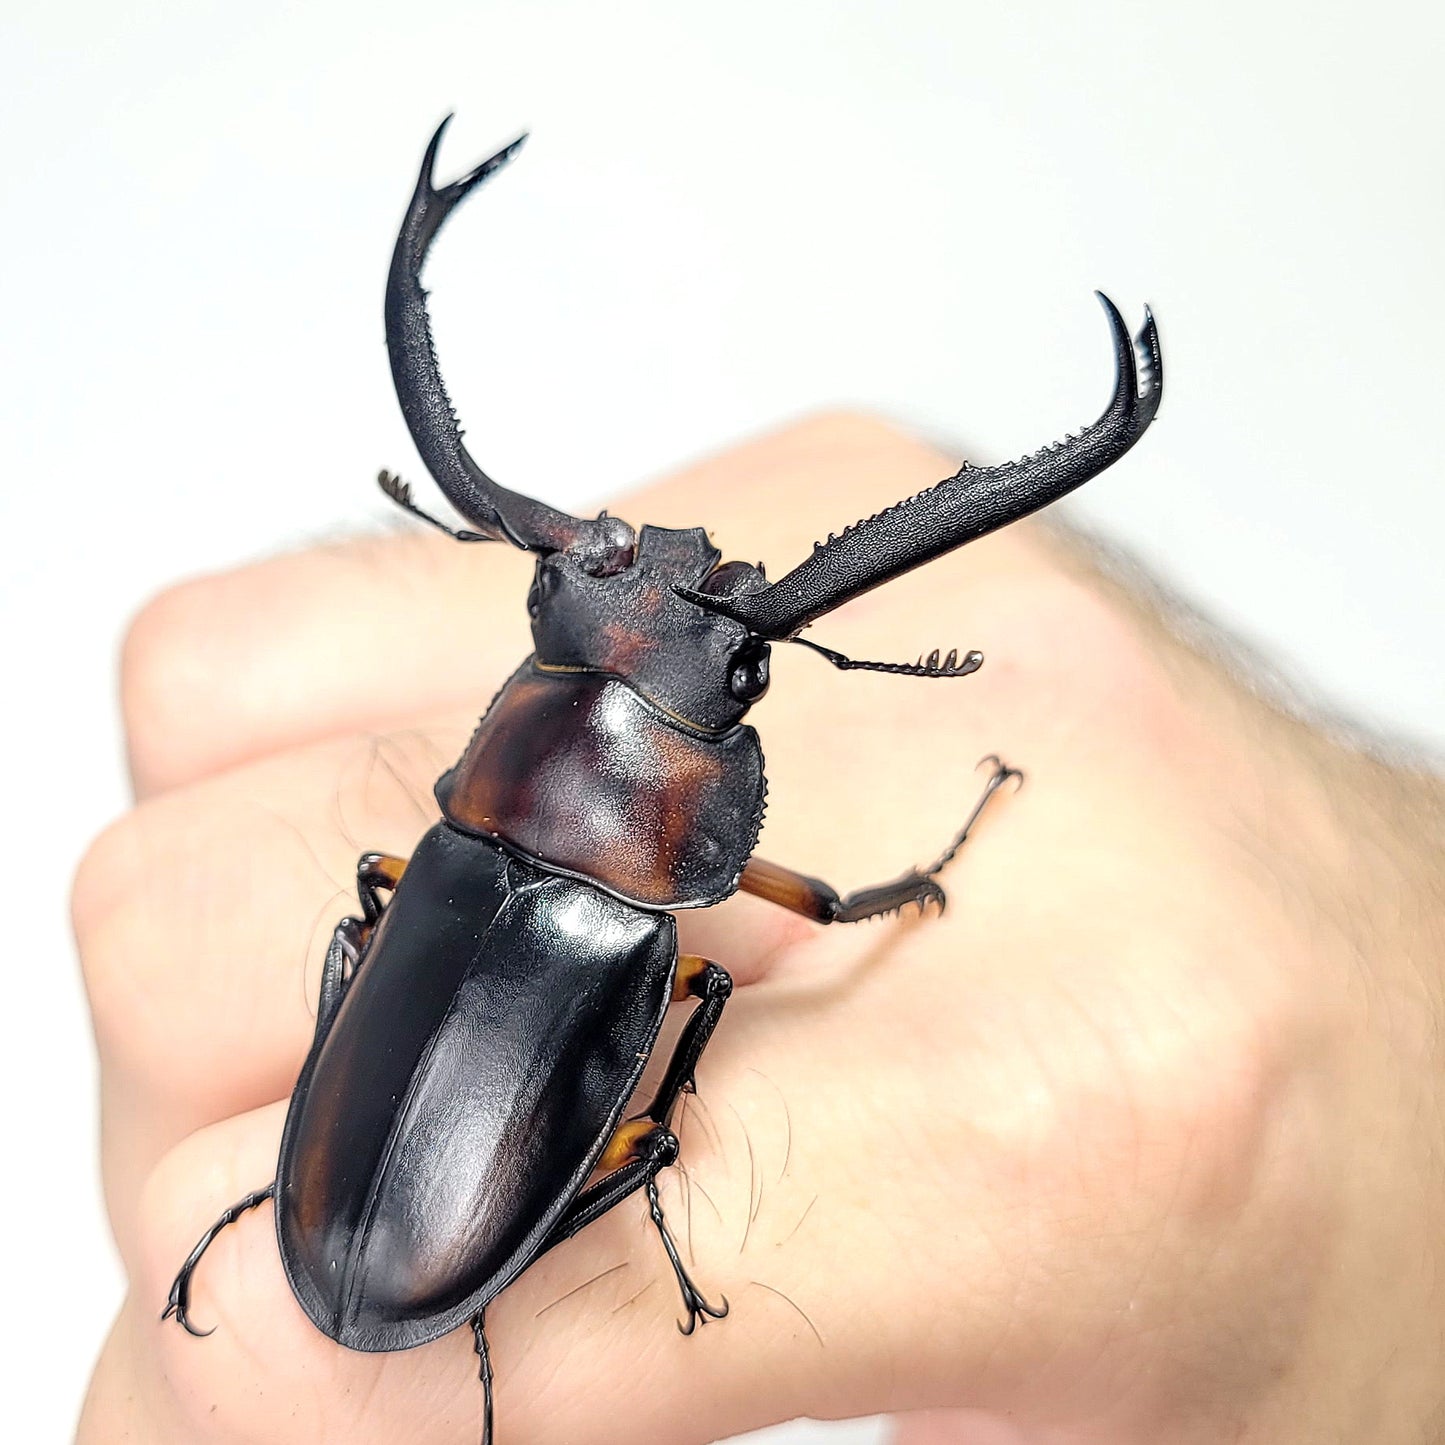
{"x":484,"y":1371}
{"x":950,"y":666}
{"x":400,"y":493}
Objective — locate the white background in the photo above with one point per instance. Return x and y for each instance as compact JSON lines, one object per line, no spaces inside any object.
{"x":729,"y":214}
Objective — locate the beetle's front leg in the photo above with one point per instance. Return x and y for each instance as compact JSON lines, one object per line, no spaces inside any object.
{"x":817,"y":900}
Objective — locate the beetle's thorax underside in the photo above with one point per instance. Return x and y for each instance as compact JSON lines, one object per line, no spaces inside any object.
{"x":634,"y":625}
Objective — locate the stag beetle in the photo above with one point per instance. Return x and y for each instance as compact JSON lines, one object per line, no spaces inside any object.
{"x":479,"y":1035}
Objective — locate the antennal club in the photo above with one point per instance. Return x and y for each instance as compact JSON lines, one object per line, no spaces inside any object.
{"x":400,"y":493}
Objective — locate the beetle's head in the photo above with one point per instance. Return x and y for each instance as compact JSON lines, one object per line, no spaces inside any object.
{"x":657,"y":609}
{"x":700,"y":665}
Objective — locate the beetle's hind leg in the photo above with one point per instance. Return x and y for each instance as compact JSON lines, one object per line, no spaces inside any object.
{"x":484,"y":1373}
{"x":648,"y":1149}
{"x":180,"y":1297}
{"x":697,"y":1307}
{"x":643,"y":1147}
{"x":712,"y":985}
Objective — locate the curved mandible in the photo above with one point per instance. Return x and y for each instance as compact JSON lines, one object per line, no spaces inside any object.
{"x":603,"y":545}
{"x":975,"y":501}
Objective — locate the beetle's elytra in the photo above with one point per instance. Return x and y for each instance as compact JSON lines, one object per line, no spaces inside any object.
{"x":479,"y":1035}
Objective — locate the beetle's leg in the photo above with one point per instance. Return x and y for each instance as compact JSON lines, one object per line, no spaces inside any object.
{"x":647,"y":1149}
{"x":712,"y":985}
{"x":697,"y":1307}
{"x":644,"y":1146}
{"x":180,"y":1297}
{"x":337,"y":972}
{"x":484,"y":1373}
{"x":815,"y":899}
{"x":376,"y":871}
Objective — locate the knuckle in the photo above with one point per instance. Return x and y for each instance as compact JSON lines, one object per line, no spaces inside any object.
{"x":101,"y":883}
{"x":103,"y":911}
{"x":208,"y":1387}
{"x":195,"y":1373}
{"x":146,"y":897}
{"x":163,"y":664}
{"x":162,"y":636}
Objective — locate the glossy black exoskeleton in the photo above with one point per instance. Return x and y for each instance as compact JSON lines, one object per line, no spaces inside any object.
{"x":479,"y":1036}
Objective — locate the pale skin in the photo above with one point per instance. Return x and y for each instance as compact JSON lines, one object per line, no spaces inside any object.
{"x":1143,"y":1140}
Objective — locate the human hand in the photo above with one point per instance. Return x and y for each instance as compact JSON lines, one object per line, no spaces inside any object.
{"x":1141,"y":1140}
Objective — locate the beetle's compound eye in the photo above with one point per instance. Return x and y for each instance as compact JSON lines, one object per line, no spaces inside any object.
{"x":748,"y":677}
{"x":729,"y":577}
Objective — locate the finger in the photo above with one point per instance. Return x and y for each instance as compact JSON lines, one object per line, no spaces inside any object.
{"x":887,"y":1236}
{"x":365,"y":633}
{"x":859,"y":1210}
{"x":957,"y":1427}
{"x":203,"y":918}
{"x":584,"y":1343}
{"x":368,"y":632}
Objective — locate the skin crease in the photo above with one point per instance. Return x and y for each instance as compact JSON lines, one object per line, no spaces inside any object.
{"x":1141,"y":1141}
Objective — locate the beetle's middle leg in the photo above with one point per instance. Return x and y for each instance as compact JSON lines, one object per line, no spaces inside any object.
{"x":647,"y":1149}
{"x":712,"y":985}
{"x":375,"y":872}
{"x":643,"y":1147}
{"x":814,"y":899}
